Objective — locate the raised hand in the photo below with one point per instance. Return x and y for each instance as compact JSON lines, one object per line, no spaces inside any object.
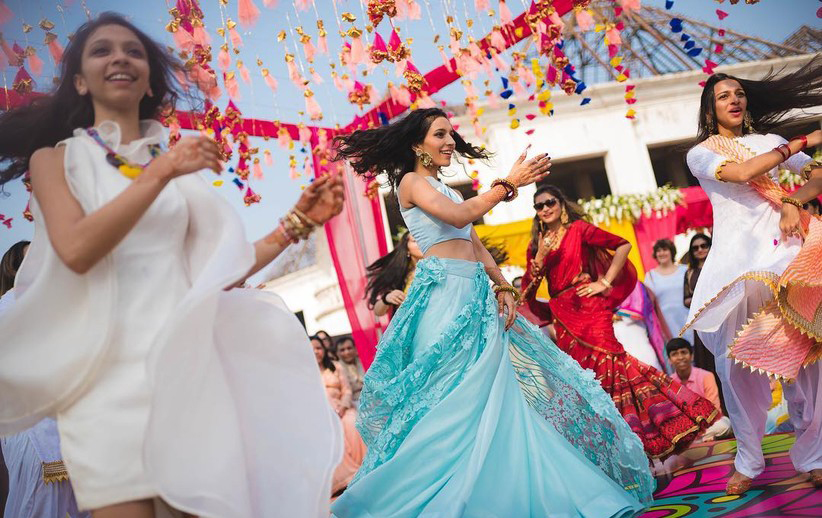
{"x":189,"y":155}
{"x":323,"y":199}
{"x":507,"y":307}
{"x":525,"y":172}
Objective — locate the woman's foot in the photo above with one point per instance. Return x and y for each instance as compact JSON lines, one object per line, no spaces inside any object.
{"x":816,"y":478}
{"x":738,"y":484}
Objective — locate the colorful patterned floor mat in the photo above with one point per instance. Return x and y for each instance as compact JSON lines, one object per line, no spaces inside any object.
{"x":699,"y":490}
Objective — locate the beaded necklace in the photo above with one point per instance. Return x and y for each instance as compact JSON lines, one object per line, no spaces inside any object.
{"x":128,"y":169}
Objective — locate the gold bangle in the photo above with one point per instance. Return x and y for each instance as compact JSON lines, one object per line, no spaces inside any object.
{"x":606,"y":283}
{"x":792,"y":201}
{"x":305,"y":218}
{"x":510,"y":289}
{"x":510,"y":188}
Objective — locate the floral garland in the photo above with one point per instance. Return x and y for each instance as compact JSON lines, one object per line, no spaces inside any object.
{"x":791,"y":180}
{"x":631,"y":207}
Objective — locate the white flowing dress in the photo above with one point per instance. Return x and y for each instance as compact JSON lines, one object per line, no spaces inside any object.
{"x":164,"y":385}
{"x":747,"y":247}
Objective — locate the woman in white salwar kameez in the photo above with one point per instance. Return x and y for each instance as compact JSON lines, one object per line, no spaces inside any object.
{"x":745,"y":305}
{"x":172,"y":392}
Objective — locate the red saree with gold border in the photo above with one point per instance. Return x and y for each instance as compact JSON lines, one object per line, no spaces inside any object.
{"x":665,"y":415}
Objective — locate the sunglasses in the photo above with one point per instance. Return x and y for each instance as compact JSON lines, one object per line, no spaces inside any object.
{"x":541,"y":205}
{"x":703,"y":246}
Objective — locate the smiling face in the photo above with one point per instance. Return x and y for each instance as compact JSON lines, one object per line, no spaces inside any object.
{"x":438,"y":142}
{"x":114,"y":69}
{"x":681,"y":359}
{"x":319,"y":351}
{"x":347,"y":352}
{"x":700,"y":249}
{"x":548,"y":207}
{"x":663,"y":256}
{"x":730,"y":104}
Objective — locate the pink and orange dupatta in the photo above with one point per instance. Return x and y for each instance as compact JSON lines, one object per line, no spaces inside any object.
{"x":786,"y":333}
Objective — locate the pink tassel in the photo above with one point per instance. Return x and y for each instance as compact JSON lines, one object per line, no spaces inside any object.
{"x":200,"y":36}
{"x":556,"y":23}
{"x":35,"y":63}
{"x":257,"y":170}
{"x":499,"y":62}
{"x":378,"y":51}
{"x":497,"y":39}
{"x":267,"y":158}
{"x":304,"y":134}
{"x":247,"y":13}
{"x":492,"y":100}
{"x":584,"y":19}
{"x":519,"y":89}
{"x":317,"y":78}
{"x":468,"y":86}
{"x":11,"y":56}
{"x":504,"y":13}
{"x":424,"y":101}
{"x":269,"y":80}
{"x":224,"y":58}
{"x":348,"y":83}
{"x":481,"y":5}
{"x":453,"y":44}
{"x":414,"y":10}
{"x":337,"y":82}
{"x":614,"y":37}
{"x":236,"y":40}
{"x":293,"y":173}
{"x":5,"y":13}
{"x":183,"y":39}
{"x":270,"y":3}
{"x":322,"y":44}
{"x":309,"y":50}
{"x":243,"y":72}
{"x":445,"y":60}
{"x":357,"y":50}
{"x":55,"y":49}
{"x":294,"y":74}
{"x":313,"y":109}
{"x":284,"y":139}
{"x":302,"y":5}
{"x":551,"y":75}
{"x":630,"y":4}
{"x":475,"y":51}
{"x":231,"y":85}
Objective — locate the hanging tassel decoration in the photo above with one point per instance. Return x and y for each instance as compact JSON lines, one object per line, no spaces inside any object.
{"x":224,"y":58}
{"x":284,"y":138}
{"x":247,"y":13}
{"x":231,"y":85}
{"x":5,"y":13}
{"x":481,"y":5}
{"x":584,"y":19}
{"x":497,"y":39}
{"x":271,"y":4}
{"x":445,"y":59}
{"x":313,"y":109}
{"x":244,"y":75}
{"x":322,"y":38}
{"x":504,"y":13}
{"x":378,"y":51}
{"x":304,"y":133}
{"x":233,"y":34}
{"x":199,"y":33}
{"x":293,"y":73}
{"x":257,"y":169}
{"x":293,"y":173}
{"x":357,"y":50}
{"x":267,"y":158}
{"x":35,"y":63}
{"x":316,"y":77}
{"x":55,"y":49}
{"x":269,"y":80}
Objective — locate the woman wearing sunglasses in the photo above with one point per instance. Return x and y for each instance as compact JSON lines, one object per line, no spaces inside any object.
{"x":588,"y":276}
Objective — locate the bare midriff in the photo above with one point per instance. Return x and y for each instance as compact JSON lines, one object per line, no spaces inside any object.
{"x":453,"y":249}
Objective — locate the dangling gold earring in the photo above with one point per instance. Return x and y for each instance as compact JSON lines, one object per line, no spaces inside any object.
{"x":748,"y":122}
{"x":425,"y":157}
{"x":563,"y":217}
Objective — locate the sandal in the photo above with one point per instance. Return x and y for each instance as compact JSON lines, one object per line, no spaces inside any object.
{"x":738,"y":488}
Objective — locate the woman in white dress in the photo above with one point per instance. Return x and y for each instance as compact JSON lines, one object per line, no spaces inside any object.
{"x":743,"y":305}
{"x":667,"y":282}
{"x":171,"y":391}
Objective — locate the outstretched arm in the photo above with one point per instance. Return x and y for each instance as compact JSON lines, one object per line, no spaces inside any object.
{"x":761,"y":164}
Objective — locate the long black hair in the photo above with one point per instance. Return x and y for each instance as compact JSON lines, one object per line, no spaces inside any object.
{"x":388,"y":149}
{"x":692,"y":261}
{"x":9,"y":265}
{"x":572,"y":208}
{"x":326,"y":362}
{"x":769,"y":99}
{"x":51,"y":118}
{"x":388,"y":273}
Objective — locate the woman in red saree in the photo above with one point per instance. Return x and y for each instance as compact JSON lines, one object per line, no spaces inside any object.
{"x":586,"y":282}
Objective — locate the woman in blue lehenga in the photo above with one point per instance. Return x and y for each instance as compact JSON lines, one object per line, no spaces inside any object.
{"x":467,"y":409}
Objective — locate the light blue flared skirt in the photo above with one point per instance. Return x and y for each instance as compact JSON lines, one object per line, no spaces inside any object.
{"x":464,"y":419}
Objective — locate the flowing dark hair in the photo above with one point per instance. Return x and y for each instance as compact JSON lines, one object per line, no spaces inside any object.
{"x":388,"y":149}
{"x":326,"y":362}
{"x":692,"y":261}
{"x":572,"y":208}
{"x":48,"y":119}
{"x":769,"y":99}
{"x":388,"y":272}
{"x":9,"y":265}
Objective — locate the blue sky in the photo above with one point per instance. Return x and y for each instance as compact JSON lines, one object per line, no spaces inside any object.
{"x":769,"y":19}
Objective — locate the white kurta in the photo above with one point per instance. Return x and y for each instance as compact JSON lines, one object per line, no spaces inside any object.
{"x":164,"y":384}
{"x":747,"y":242}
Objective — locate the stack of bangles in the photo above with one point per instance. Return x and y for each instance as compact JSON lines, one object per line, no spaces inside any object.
{"x":510,"y":188}
{"x":792,"y":201}
{"x":785,"y":151}
{"x":507,"y":288}
{"x":296,"y":225}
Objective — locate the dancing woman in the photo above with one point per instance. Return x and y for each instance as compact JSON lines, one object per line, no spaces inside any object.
{"x":587,"y":282}
{"x":757,"y":303}
{"x":168,"y":389}
{"x":459,"y":394}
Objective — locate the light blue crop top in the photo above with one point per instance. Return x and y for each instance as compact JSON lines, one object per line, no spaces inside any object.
{"x":428,"y":230}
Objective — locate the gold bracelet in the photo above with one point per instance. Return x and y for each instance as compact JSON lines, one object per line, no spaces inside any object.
{"x":606,"y":283}
{"x":508,"y":288}
{"x":305,"y":218}
{"x":792,"y":201}
{"x":510,"y":188}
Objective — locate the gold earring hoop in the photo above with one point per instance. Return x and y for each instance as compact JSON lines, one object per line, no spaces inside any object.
{"x":563,"y":217}
{"x":748,"y":122}
{"x":424,"y":157}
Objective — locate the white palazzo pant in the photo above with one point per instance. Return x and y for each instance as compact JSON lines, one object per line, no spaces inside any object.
{"x":748,"y":397}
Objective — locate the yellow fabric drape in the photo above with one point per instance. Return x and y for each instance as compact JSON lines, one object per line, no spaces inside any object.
{"x":514,"y":238}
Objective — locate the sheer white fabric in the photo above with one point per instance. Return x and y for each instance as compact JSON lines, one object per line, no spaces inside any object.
{"x":237,"y":420}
